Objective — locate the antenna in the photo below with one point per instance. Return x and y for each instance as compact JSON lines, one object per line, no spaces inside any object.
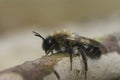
{"x":37,"y":34}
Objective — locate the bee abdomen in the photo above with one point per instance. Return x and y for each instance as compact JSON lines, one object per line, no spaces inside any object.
{"x":93,"y":52}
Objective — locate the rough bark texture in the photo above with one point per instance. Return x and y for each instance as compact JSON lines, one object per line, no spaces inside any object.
{"x":43,"y":68}
{"x":32,"y":70}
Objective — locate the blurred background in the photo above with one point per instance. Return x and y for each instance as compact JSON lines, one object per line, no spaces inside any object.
{"x":18,"y":18}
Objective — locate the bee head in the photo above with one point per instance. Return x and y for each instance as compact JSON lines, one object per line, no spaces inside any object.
{"x":48,"y":43}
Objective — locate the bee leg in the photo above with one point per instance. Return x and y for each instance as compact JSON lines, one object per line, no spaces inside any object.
{"x":56,"y":73}
{"x":84,"y":57}
{"x":52,"y":52}
{"x":70,"y":61}
{"x":70,"y":51}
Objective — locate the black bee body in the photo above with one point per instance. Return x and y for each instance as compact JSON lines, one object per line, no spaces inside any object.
{"x":73,"y":44}
{"x":93,"y":49}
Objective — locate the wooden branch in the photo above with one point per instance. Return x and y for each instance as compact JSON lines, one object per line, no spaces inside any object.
{"x":32,"y":70}
{"x":47,"y":67}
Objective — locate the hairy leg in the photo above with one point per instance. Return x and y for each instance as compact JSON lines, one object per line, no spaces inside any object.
{"x":84,"y":57}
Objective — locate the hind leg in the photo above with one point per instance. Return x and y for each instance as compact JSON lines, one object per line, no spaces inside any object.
{"x":84,"y":58}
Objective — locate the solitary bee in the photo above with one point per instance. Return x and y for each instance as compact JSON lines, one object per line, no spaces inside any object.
{"x":67,"y":42}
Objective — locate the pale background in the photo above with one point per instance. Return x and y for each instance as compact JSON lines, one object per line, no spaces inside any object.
{"x":18,"y":18}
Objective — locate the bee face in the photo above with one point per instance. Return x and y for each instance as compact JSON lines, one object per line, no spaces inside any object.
{"x":48,"y":44}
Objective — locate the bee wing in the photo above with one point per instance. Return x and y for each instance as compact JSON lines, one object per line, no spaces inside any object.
{"x":88,"y":41}
{"x":92,"y":48}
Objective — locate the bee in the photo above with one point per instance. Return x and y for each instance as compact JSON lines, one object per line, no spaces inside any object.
{"x":71,"y":43}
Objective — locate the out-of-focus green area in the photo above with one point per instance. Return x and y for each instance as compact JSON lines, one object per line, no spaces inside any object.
{"x":18,"y":18}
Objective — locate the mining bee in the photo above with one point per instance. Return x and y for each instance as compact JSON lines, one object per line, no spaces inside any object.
{"x":71,"y":43}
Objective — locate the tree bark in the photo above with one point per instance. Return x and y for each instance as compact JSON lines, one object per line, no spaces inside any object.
{"x":32,"y":70}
